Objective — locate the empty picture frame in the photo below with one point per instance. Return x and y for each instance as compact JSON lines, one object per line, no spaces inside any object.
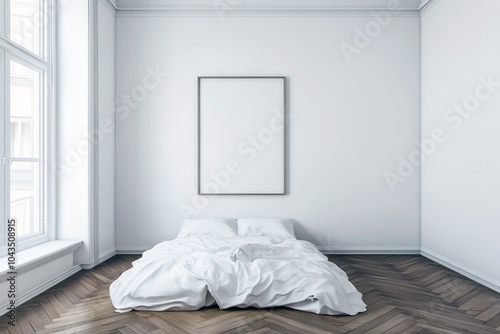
{"x":241,"y":135}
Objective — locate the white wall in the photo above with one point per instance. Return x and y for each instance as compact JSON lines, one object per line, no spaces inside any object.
{"x":72,"y":125}
{"x":461,"y":180}
{"x":350,"y":123}
{"x":106,"y":115}
{"x":86,"y":142}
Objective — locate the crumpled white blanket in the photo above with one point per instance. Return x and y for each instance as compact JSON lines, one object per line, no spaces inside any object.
{"x":193,"y":272}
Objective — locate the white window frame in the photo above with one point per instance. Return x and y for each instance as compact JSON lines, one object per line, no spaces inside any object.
{"x":45,"y":66}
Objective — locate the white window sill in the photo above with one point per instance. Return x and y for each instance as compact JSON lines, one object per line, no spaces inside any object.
{"x":37,"y":256}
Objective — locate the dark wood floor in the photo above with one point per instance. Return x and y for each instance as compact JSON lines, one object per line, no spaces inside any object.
{"x":405,"y":294}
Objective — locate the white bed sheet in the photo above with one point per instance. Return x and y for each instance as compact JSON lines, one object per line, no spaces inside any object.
{"x":193,"y":272}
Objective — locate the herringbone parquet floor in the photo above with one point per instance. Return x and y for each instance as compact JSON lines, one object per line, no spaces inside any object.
{"x":405,"y":294}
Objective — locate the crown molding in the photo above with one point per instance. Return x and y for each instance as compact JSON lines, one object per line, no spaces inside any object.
{"x":114,"y":4}
{"x":426,"y":5}
{"x":249,"y":13}
{"x":255,"y":6}
{"x":423,"y":3}
{"x":111,"y":5}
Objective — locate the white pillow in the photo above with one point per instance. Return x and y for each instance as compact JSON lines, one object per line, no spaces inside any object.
{"x":216,"y":227}
{"x":273,"y":227}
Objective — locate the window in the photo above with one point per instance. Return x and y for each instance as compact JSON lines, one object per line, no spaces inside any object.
{"x":25,"y":24}
{"x":26,"y":77}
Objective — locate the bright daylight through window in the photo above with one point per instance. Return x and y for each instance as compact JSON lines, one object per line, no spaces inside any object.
{"x":25,"y":120}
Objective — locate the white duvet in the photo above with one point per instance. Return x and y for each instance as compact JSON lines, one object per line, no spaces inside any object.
{"x":193,"y":272}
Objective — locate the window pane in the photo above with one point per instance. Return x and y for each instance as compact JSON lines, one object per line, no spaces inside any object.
{"x":25,"y":197}
{"x":24,"y":112}
{"x":25,"y":24}
{"x":2,"y":16}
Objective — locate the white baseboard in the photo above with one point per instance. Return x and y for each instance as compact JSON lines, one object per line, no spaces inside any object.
{"x":39,"y":289}
{"x":103,"y":256}
{"x":323,"y":249}
{"x":461,"y":269}
{"x":369,"y":249}
{"x":132,"y":249}
{"x":106,"y":255}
